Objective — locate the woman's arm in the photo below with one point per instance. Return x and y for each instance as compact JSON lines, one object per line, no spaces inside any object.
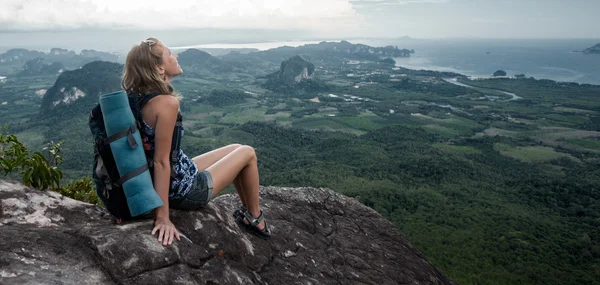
{"x":165,"y":108}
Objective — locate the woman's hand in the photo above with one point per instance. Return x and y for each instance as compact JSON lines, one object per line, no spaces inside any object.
{"x":166,"y":231}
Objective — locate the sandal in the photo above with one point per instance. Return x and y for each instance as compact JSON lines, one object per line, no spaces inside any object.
{"x":240,"y":212}
{"x":254,"y":221}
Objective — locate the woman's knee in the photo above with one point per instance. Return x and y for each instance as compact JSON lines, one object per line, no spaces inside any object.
{"x":248,"y":151}
{"x":234,"y":146}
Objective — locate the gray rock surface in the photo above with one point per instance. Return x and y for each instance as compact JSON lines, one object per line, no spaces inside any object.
{"x":319,"y":237}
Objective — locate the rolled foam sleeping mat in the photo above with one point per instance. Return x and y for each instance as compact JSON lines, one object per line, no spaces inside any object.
{"x":129,"y":153}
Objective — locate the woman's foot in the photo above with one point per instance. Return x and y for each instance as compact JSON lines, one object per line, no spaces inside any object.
{"x":260,"y":225}
{"x":239,"y":212}
{"x":254,"y":225}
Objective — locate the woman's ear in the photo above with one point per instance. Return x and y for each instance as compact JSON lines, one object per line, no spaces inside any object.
{"x":160,"y":69}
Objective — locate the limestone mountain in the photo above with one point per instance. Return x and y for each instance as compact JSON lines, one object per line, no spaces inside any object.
{"x":77,"y":91}
{"x":19,"y":56}
{"x":319,"y":237}
{"x":73,"y":60}
{"x":16,"y":58}
{"x":12,"y":61}
{"x":324,"y":54}
{"x":350,"y":48}
{"x":294,"y":73}
{"x":98,"y":55}
{"x":61,"y":52}
{"x":295,"y":70}
{"x":37,"y":67}
{"x":328,"y":51}
{"x":592,"y":50}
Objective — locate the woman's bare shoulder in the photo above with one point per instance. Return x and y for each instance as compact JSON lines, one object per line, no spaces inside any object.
{"x":164,"y":102}
{"x":161,"y":106}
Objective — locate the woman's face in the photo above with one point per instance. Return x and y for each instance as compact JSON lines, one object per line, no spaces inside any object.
{"x":170,"y":67}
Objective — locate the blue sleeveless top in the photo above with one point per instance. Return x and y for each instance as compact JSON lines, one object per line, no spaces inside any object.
{"x":185,"y":169}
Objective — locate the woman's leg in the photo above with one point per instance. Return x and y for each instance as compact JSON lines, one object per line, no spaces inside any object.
{"x":237,"y":182}
{"x":207,"y":159}
{"x":242,"y":163}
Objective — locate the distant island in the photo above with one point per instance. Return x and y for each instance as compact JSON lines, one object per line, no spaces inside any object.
{"x":595,"y":49}
{"x":499,"y":73}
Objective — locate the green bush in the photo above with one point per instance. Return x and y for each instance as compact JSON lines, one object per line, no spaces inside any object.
{"x":41,"y":172}
{"x":36,"y":170}
{"x":82,"y":190}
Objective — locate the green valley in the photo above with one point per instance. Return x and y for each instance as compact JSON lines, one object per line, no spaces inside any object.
{"x":493,"y":188}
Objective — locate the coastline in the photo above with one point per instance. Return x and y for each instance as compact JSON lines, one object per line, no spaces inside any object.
{"x":259,"y":46}
{"x":462,"y":73}
{"x":458,"y":83}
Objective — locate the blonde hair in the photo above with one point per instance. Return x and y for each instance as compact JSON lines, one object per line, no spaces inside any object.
{"x":140,"y":75}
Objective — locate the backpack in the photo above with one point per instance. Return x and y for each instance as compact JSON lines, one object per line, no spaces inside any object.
{"x":105,"y":173}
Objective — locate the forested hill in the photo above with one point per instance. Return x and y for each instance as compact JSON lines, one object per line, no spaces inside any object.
{"x":77,"y":91}
{"x":194,"y":60}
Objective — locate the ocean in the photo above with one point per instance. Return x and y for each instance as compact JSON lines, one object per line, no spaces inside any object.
{"x":548,"y":59}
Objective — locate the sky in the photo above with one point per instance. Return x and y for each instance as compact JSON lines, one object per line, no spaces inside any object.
{"x":253,"y":20}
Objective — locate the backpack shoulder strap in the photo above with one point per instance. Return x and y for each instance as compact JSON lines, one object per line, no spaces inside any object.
{"x":137,"y":102}
{"x":96,"y":125}
{"x":96,"y":112}
{"x":176,"y":139}
{"x":176,"y":142}
{"x":145,"y":98}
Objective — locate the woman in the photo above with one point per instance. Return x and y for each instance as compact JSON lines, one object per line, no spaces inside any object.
{"x":149,"y":68}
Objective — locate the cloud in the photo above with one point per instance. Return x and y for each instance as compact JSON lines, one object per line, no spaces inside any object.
{"x":322,"y":15}
{"x":363,"y":3}
{"x":481,"y":20}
